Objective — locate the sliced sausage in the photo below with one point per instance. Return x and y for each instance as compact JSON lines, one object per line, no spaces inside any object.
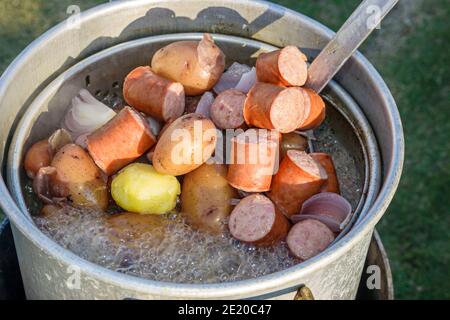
{"x":273,"y":107}
{"x":153,"y":95}
{"x":121,"y":141}
{"x":286,"y":67}
{"x":256,"y":220}
{"x":298,"y":178}
{"x":317,"y":110}
{"x":325,"y":160}
{"x":227,"y":109}
{"x":254,"y":156}
{"x":308,"y":238}
{"x":292,"y":141}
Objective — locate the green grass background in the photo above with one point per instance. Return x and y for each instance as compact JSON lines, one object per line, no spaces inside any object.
{"x":411,"y":51}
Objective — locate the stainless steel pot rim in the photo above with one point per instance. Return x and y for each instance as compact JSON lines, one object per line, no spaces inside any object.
{"x":353,"y":115}
{"x":276,"y":281}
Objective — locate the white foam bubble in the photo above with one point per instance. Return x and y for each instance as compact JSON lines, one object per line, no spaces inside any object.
{"x":182,"y":255}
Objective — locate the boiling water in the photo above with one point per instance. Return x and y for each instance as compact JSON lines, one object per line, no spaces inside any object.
{"x":350,"y":179}
{"x":178,"y":253}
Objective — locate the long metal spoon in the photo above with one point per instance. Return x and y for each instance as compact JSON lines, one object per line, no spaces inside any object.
{"x":352,"y":34}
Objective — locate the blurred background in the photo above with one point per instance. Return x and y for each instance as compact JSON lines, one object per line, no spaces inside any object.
{"x":411,"y":51}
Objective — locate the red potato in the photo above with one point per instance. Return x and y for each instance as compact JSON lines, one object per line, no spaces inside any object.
{"x":153,"y":95}
{"x":254,"y":159}
{"x":285,"y":67}
{"x":119,"y":142}
{"x":185,"y":145}
{"x":197,"y":65}
{"x":308,"y":238}
{"x":227,"y":109}
{"x":78,"y":178}
{"x":257,"y":221}
{"x":273,"y":107}
{"x":298,"y":178}
{"x":38,"y":156}
{"x":325,"y":160}
{"x":317,"y":109}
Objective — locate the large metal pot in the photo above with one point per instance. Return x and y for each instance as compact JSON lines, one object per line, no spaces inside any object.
{"x":48,"y":270}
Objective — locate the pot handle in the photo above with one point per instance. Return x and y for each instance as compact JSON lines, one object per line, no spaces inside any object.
{"x":304,"y":293}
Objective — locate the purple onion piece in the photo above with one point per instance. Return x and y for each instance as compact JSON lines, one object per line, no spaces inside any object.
{"x":82,"y":140}
{"x":327,"y":204}
{"x":231,"y":77}
{"x":59,"y":139}
{"x":204,"y":105}
{"x":247,"y":81}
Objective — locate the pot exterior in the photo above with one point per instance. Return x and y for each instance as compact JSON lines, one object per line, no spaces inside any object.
{"x":46,"y":277}
{"x":50,"y":272}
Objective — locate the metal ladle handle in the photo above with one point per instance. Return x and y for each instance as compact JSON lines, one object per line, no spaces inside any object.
{"x":352,"y":34}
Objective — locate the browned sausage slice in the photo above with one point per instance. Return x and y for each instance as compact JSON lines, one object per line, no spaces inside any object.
{"x":154,"y":95}
{"x":292,"y":141}
{"x":254,"y":156}
{"x":273,"y":107}
{"x":122,"y":140}
{"x":308,"y":238}
{"x":298,"y":178}
{"x":286,"y":67}
{"x":325,"y":160}
{"x":255,"y":220}
{"x":317,"y":111}
{"x":227,"y":109}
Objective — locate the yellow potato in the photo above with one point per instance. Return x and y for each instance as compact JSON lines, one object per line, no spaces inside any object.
{"x":79,"y":179}
{"x":206,"y":198}
{"x":197,"y":65}
{"x":185,"y":145}
{"x":129,"y":226}
{"x":140,"y":188}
